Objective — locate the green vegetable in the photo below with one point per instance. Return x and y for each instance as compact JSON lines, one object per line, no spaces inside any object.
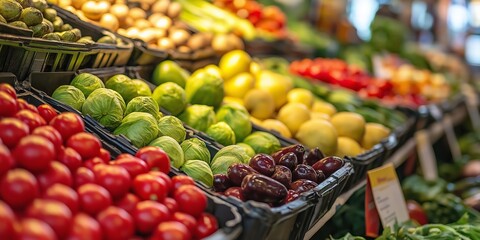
{"x":416,"y":188}
{"x":172,"y":148}
{"x":206,"y":89}
{"x":221,"y":133}
{"x":171,"y":97}
{"x":232,"y":151}
{"x":123,"y":85}
{"x":144,"y":104}
{"x":142,"y":88}
{"x":199,"y":117}
{"x":169,"y":71}
{"x":249,"y":150}
{"x":263,"y":142}
{"x":221,"y":164}
{"x":172,"y":127}
{"x":199,"y":170}
{"x":195,"y":149}
{"x":69,"y":95}
{"x":87,"y":83}
{"x":106,"y":106}
{"x":237,"y":117}
{"x":139,"y":127}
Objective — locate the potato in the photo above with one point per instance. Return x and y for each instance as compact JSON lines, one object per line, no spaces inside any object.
{"x":147,"y":35}
{"x":142,"y":24}
{"x":179,"y":36}
{"x":133,"y":32}
{"x":154,"y":17}
{"x":160,"y":6}
{"x":78,"y":3}
{"x":197,"y":41}
{"x":163,"y":22}
{"x":94,"y":10}
{"x":137,"y":13}
{"x":64,"y":3}
{"x":122,"y":31}
{"x":110,"y":22}
{"x":127,"y":22}
{"x":180,"y":24}
{"x":72,"y":9}
{"x":120,"y":11}
{"x":174,"y":10}
{"x":165,"y":44}
{"x":184,"y":49}
{"x":159,"y":33}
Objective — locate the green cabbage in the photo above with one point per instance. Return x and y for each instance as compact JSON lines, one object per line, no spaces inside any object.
{"x":206,"y":90}
{"x":123,"y":85}
{"x":221,"y":133}
{"x":249,"y":150}
{"x":221,"y":164}
{"x":237,"y":117}
{"x":171,"y":97}
{"x":144,"y":104}
{"x":199,"y":170}
{"x":263,"y":142}
{"x":87,"y":83}
{"x":139,"y":127}
{"x":199,"y":117}
{"x":106,"y":106}
{"x":142,"y":88}
{"x":195,"y":149}
{"x":172,"y":127}
{"x":172,"y":148}
{"x":233,"y":151}
{"x":69,"y":95}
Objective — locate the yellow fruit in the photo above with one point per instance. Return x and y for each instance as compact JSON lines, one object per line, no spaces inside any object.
{"x":347,"y":147}
{"x":324,"y":107}
{"x":213,"y":69}
{"x":293,"y":115}
{"x":318,"y":115}
{"x":349,"y":124}
{"x":239,"y":85}
{"x":233,"y":63}
{"x":255,"y":121}
{"x":374,"y":133}
{"x":275,"y":84}
{"x":272,"y":124}
{"x":299,"y":95}
{"x":259,"y":103}
{"x":255,"y":68}
{"x":233,"y":100}
{"x":318,"y":133}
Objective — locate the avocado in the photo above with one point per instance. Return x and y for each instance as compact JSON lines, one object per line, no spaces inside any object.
{"x":2,"y":19}
{"x":57,"y":24}
{"x":19,"y":24}
{"x":107,"y":40}
{"x":50,"y":14}
{"x":31,"y":16}
{"x":52,"y":36}
{"x":66,"y":27}
{"x":10,"y":10}
{"x":25,"y":3}
{"x":86,"y":40}
{"x":49,"y":25}
{"x":40,"y":4}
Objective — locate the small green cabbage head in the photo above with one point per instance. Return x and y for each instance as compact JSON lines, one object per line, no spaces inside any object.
{"x":142,"y":88}
{"x":87,"y":83}
{"x":144,"y":104}
{"x":106,"y":106}
{"x":199,"y":117}
{"x":172,"y":127}
{"x":195,"y":149}
{"x":263,"y":142}
{"x":249,"y":150}
{"x":237,"y":117}
{"x":228,"y":156}
{"x":172,"y":148}
{"x":206,"y":90}
{"x":139,"y":127}
{"x":171,"y":97}
{"x":199,"y":170}
{"x":123,"y":85}
{"x":69,"y":95}
{"x":221,"y":133}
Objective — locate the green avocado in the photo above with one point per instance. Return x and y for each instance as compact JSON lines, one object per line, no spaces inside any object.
{"x":57,"y":24}
{"x":10,"y":10}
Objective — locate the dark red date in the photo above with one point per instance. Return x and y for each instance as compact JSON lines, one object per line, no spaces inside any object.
{"x":263,"y":163}
{"x":303,"y":171}
{"x":221,"y":182}
{"x":302,"y":185}
{"x":289,"y":160}
{"x":283,"y":175}
{"x":313,"y":156}
{"x":297,"y":149}
{"x":261,"y":188}
{"x":237,"y":172}
{"x":328,"y":165}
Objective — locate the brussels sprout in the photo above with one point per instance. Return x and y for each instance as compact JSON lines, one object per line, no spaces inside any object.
{"x":221,"y":133}
{"x":171,"y":97}
{"x":237,"y":117}
{"x":144,"y":104}
{"x":249,"y":150}
{"x":142,"y":88}
{"x":206,"y":89}
{"x":69,"y":95}
{"x":87,"y":83}
{"x":234,"y":151}
{"x":199,"y":117}
{"x":199,"y":170}
{"x":172,"y":127}
{"x":263,"y":142}
{"x":195,"y":149}
{"x":139,"y":127}
{"x":106,"y":106}
{"x":123,"y":85}
{"x":172,"y":148}
{"x":221,"y":164}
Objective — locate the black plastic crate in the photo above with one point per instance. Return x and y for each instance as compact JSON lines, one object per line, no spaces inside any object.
{"x":364,"y":162}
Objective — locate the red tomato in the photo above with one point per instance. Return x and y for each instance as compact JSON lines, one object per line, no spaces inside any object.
{"x":191,"y":200}
{"x":7,"y":220}
{"x":186,"y":219}
{"x":206,"y":225}
{"x":8,"y":105}
{"x":148,"y":214}
{"x":82,"y":176}
{"x":6,"y":160}
{"x":93,"y":198}
{"x":33,"y":120}
{"x":155,"y":157}
{"x":84,"y":227}
{"x":18,"y":188}
{"x":12,"y":131}
{"x":171,"y":204}
{"x":124,"y":155}
{"x":171,"y":230}
{"x":56,"y":173}
{"x":116,"y":224}
{"x":181,"y":180}
{"x":54,"y":213}
{"x":104,"y":155}
{"x":67,"y":124}
{"x":70,"y":158}
{"x":23,"y":105}
{"x":416,"y":212}
{"x":148,"y":187}
{"x":31,"y":228}
{"x":47,"y":112}
{"x":34,"y":153}
{"x":128,"y":202}
{"x":64,"y":194}
{"x":133,"y":165}
{"x":51,"y":134}
{"x":92,"y":162}
{"x":165,"y":178}
{"x":113,"y":178}
{"x":5,"y":87}
{"x":86,"y":144}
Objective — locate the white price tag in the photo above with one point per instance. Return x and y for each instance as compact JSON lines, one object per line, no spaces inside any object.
{"x":426,"y":155}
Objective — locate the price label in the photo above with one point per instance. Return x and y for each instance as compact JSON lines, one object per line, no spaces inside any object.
{"x":426,"y":155}
{"x":451,"y":137}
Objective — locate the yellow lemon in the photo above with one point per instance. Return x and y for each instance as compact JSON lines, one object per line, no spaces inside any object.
{"x":273,"y":124}
{"x":233,"y":63}
{"x":233,"y":100}
{"x":374,"y":133}
{"x":259,"y":103}
{"x":324,"y":107}
{"x":255,"y":68}
{"x":318,"y":133}
{"x":347,"y":147}
{"x":239,"y":85}
{"x":256,"y":121}
{"x":300,"y":95}
{"x":275,"y":84}
{"x":293,"y":115}
{"x":319,"y":115}
{"x":213,"y":69}
{"x":349,"y":124}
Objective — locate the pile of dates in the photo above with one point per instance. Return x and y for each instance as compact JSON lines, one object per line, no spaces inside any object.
{"x":279,"y":178}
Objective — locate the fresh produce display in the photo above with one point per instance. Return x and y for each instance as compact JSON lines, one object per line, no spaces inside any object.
{"x":57,"y":182}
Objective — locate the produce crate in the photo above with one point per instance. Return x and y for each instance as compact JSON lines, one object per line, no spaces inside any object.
{"x":143,"y":55}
